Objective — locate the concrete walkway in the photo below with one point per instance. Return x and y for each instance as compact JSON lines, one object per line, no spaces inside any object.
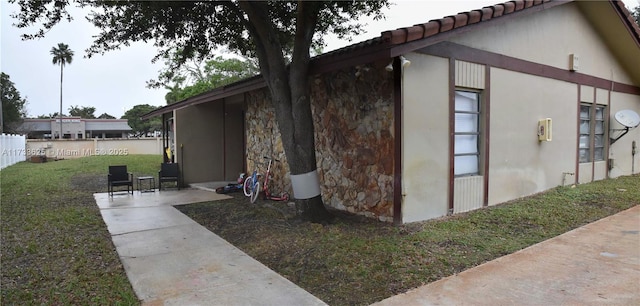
{"x":597,"y":264}
{"x":172,"y":260}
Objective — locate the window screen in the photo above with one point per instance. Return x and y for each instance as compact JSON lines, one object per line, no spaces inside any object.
{"x":592,"y":133}
{"x":467,"y":133}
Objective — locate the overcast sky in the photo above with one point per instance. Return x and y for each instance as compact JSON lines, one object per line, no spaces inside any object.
{"x":115,"y":82}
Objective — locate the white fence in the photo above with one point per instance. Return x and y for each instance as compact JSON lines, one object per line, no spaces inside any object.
{"x":14,"y":149}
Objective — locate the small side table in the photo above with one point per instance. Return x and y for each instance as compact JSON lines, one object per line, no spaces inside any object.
{"x":151,"y":186}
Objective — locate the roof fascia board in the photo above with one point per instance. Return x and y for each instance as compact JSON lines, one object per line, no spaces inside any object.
{"x":625,"y":17}
{"x":443,"y":36}
{"x":361,"y":56}
{"x":213,"y":95}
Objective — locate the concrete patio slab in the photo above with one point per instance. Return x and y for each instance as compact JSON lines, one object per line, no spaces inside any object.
{"x":592,"y":265}
{"x":171,"y":260}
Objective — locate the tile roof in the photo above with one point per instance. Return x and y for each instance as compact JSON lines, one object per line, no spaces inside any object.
{"x":437,"y":26}
{"x":379,"y":47}
{"x":434,"y":27}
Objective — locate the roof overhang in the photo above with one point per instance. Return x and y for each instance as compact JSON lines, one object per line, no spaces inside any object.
{"x":609,"y":18}
{"x":219,"y":93}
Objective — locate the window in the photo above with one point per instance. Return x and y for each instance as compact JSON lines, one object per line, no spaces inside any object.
{"x":467,"y":133}
{"x":592,"y":133}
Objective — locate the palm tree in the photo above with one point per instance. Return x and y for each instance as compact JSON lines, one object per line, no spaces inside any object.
{"x":61,"y":56}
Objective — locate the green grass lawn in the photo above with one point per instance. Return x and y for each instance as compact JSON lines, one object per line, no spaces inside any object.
{"x":55,"y":246}
{"x":356,"y":262}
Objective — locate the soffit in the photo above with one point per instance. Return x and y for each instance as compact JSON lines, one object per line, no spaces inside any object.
{"x":620,"y":33}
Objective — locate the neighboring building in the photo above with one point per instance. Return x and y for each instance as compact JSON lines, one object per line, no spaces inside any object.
{"x":459,"y":128}
{"x":75,"y":128}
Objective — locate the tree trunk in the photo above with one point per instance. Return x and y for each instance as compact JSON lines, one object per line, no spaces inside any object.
{"x":289,"y":90}
{"x":60,"y":114}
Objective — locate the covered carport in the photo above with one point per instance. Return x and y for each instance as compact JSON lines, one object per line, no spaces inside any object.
{"x":205,"y":134}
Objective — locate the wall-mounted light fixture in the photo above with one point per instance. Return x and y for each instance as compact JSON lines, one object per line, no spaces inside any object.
{"x":389,"y":67}
{"x":404,"y":62}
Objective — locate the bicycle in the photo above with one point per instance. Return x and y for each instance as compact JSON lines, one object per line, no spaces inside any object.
{"x":251,"y":187}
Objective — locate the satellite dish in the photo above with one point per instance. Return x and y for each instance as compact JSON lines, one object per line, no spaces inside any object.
{"x":627,"y":118}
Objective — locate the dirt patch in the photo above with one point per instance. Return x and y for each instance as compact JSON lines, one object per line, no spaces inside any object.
{"x":89,"y":182}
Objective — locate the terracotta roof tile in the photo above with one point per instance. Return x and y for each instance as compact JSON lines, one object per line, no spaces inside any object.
{"x":498,"y":10}
{"x":434,"y":27}
{"x":487,"y":13}
{"x":475,"y":16}
{"x":431,"y":28}
{"x":519,"y":4}
{"x":461,"y":20}
{"x":415,"y":33}
{"x":446,"y":24}
{"x":509,"y":7}
{"x":449,"y":23}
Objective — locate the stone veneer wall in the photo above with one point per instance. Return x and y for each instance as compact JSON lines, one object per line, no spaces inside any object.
{"x":353,"y":118}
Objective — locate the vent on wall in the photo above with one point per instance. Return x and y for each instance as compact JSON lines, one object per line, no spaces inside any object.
{"x":544,"y":129}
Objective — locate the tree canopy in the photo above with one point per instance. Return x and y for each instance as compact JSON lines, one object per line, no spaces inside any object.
{"x":86,"y":112}
{"x":279,"y":34}
{"x":198,"y":76}
{"x":13,"y":105}
{"x":142,"y":128}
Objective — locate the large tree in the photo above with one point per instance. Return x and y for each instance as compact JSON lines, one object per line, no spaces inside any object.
{"x":280,"y":34}
{"x":140,"y":127}
{"x":62,"y":55}
{"x":86,"y":112}
{"x":194,"y":77}
{"x":13,"y":106}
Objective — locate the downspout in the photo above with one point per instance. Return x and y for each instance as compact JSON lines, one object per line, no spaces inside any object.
{"x":397,"y":142}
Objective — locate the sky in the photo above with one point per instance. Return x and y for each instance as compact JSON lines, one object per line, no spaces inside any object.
{"x":116,"y":81}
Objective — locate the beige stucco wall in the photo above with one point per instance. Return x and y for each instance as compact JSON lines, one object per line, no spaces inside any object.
{"x":199,"y":142}
{"x":425,"y":138}
{"x":520,"y":164}
{"x":549,"y":37}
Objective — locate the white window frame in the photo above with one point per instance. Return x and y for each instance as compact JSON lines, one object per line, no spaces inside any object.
{"x":467,"y":133}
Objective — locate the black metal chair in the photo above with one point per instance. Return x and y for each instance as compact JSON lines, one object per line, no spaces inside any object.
{"x":169,"y":173}
{"x":119,"y":176}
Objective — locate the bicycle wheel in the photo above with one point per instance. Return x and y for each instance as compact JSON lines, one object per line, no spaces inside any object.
{"x":256,"y":191}
{"x":246,"y":188}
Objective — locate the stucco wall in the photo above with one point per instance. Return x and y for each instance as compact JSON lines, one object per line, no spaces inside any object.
{"x":425,"y":138}
{"x":549,"y":37}
{"x":519,"y":164}
{"x":199,"y":142}
{"x":353,"y":119}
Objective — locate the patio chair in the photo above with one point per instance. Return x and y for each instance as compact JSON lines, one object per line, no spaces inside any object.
{"x":119,"y":176}
{"x":169,"y":173}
